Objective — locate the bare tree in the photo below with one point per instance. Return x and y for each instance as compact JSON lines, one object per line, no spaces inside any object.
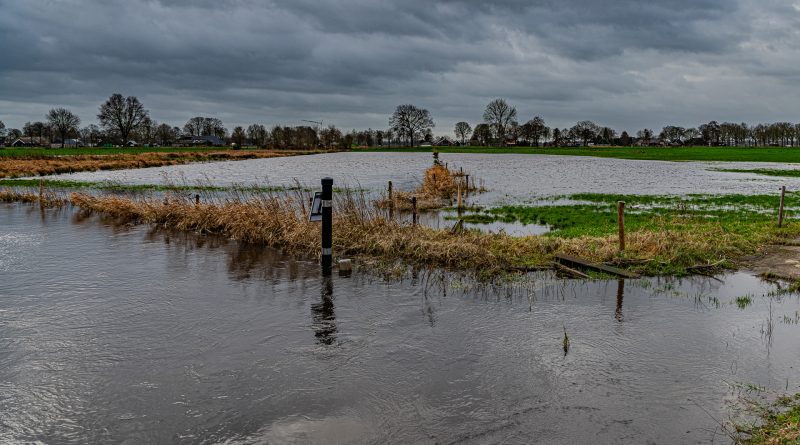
{"x":2,"y":129}
{"x":463,"y":131}
{"x":330,"y":136}
{"x":238,"y":136}
{"x":257,"y":135}
{"x":63,"y":122}
{"x":122,"y":115}
{"x":90,"y":134}
{"x":408,"y":121}
{"x":499,"y":115}
{"x":538,"y":130}
{"x":586,"y":131}
{"x":165,"y":134}
{"x":483,"y":134}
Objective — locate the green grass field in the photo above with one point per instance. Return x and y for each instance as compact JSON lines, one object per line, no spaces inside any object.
{"x":596,"y":214}
{"x":763,"y":171}
{"x":51,"y":152}
{"x":743,"y":154}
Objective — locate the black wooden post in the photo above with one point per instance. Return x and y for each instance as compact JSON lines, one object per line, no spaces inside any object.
{"x":197,"y":199}
{"x":414,"y":210}
{"x":327,"y":225}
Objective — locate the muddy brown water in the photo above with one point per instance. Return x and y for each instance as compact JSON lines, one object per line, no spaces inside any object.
{"x":114,"y":334}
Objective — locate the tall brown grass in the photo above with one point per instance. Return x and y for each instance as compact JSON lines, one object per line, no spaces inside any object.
{"x":20,"y":167}
{"x":279,"y":220}
{"x":439,"y":187}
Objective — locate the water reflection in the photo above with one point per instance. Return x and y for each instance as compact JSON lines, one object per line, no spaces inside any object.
{"x":323,"y":315}
{"x":155,"y":337}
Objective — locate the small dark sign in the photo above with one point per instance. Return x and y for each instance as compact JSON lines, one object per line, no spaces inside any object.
{"x":316,"y":208}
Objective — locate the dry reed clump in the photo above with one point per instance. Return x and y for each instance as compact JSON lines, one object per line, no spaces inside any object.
{"x":20,"y":167}
{"x":279,"y":220}
{"x":45,"y":198}
{"x":438,"y":183}
{"x":439,"y":186}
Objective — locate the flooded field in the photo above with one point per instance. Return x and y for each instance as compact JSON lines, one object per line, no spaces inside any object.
{"x":115,"y":334}
{"x":510,"y":178}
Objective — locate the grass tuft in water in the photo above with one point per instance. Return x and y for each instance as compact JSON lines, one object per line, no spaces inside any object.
{"x":744,"y":301}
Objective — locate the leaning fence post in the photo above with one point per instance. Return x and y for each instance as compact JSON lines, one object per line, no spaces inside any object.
{"x":327,"y":225}
{"x":414,"y":210}
{"x":621,"y":223}
{"x":780,"y":210}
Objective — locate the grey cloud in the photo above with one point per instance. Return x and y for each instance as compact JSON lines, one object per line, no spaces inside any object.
{"x":624,"y":63}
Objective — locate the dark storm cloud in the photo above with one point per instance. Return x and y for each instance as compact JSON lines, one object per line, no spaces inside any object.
{"x":626,"y":63}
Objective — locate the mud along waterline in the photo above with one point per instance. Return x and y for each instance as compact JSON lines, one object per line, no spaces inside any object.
{"x":126,"y":334}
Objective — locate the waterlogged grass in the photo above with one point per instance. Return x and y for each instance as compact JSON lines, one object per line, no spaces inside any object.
{"x":121,"y":187}
{"x":659,"y":241}
{"x":717,"y":229}
{"x":596,"y":214}
{"x":30,"y":162}
{"x":780,"y":424}
{"x":744,"y":301}
{"x":763,"y":171}
{"x":738,"y":154}
{"x":40,"y":152}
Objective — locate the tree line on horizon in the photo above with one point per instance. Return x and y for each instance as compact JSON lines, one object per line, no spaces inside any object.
{"x":125,"y":120}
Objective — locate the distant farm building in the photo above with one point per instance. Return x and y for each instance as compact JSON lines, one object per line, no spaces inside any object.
{"x":70,"y":143}
{"x":444,"y":141}
{"x":188,"y":141}
{"x":28,"y":141}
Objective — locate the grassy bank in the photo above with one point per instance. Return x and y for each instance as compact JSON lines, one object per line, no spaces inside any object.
{"x":707,"y":229}
{"x":34,"y":165}
{"x":780,"y":424}
{"x":122,"y":187}
{"x":763,"y":171}
{"x":741,"y":154}
{"x":662,"y":243}
{"x":42,"y":152}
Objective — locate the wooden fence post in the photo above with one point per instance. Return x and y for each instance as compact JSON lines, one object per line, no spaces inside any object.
{"x":621,"y":223}
{"x":414,"y":210}
{"x":780,"y":210}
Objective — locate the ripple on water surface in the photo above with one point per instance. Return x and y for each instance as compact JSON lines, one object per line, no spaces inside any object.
{"x":510,"y":178}
{"x":112,"y":334}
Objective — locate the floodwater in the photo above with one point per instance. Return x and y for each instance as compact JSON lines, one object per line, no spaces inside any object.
{"x":510,"y":178}
{"x":125,"y":334}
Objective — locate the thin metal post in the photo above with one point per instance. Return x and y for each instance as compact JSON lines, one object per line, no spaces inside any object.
{"x":780,"y":211}
{"x":621,"y":223}
{"x":327,"y":225}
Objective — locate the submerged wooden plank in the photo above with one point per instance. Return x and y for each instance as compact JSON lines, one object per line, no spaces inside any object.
{"x":570,"y":271}
{"x":580,"y":262}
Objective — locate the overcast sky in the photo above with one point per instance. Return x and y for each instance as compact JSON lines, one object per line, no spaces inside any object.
{"x":628,"y":64}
